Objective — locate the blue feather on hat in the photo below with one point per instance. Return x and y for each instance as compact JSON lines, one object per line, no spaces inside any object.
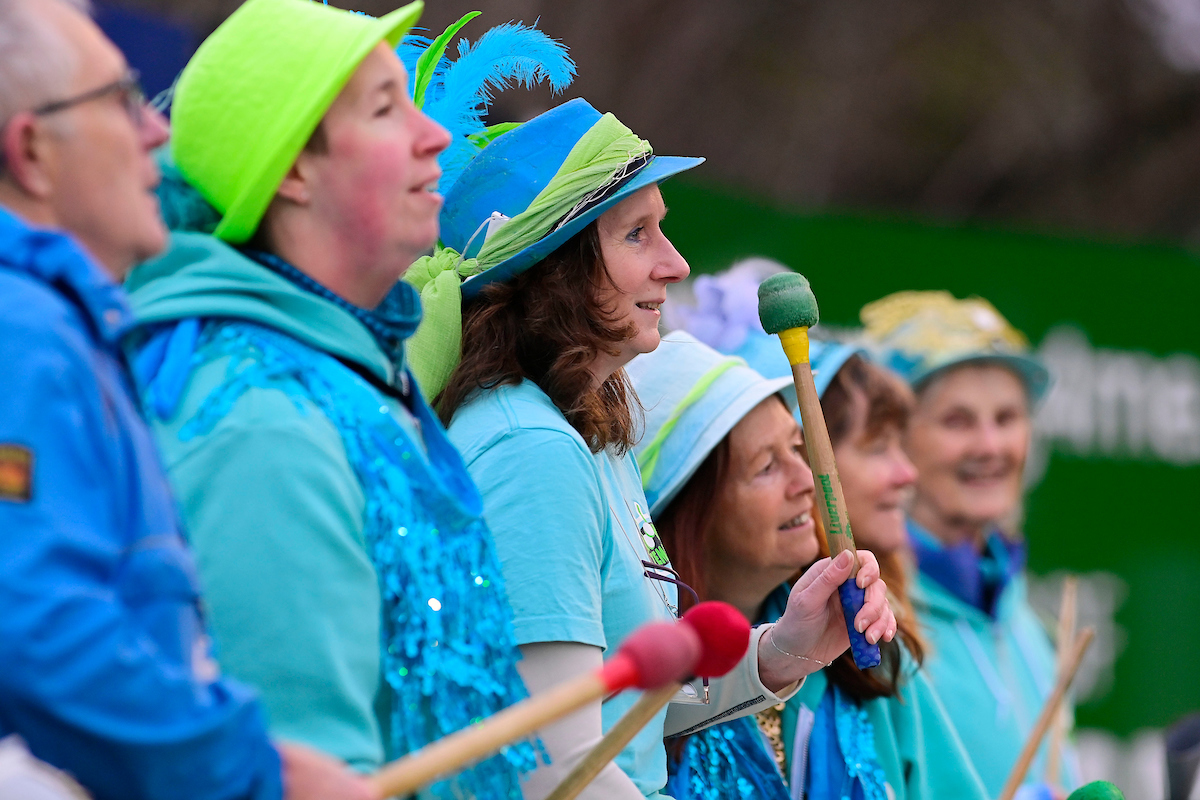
{"x":456,"y":93}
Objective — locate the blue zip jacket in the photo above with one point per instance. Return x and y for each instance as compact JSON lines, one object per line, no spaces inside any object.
{"x":104,"y":667}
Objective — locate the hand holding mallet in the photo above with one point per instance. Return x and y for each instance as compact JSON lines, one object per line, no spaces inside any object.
{"x":786,"y":306}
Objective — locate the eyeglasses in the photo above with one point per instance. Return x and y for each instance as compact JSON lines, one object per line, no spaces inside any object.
{"x":129,"y":88}
{"x":657,"y":572}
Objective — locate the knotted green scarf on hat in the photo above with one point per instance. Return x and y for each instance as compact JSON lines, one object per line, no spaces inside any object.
{"x":597,"y":158}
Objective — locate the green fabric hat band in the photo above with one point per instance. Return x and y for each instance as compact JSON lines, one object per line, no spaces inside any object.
{"x":599,"y":157}
{"x":648,"y":458}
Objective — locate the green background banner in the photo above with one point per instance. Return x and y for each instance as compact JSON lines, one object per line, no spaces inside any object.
{"x":1117,"y":459}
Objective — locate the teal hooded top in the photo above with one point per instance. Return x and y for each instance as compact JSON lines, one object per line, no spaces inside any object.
{"x":254,"y":529}
{"x":993,"y":671}
{"x":313,"y":488}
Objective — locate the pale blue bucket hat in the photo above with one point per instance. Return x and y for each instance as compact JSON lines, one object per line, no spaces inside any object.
{"x":725,"y":317}
{"x":765,"y":355}
{"x":693,"y":396}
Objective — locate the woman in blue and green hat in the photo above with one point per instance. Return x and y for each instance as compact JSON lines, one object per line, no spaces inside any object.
{"x":847,"y":733}
{"x":976,"y":386}
{"x":552,"y":237}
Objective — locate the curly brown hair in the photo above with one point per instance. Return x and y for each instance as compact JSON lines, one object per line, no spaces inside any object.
{"x":548,"y":325}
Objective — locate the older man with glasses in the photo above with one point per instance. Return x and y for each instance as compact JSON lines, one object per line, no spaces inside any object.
{"x":106,"y":673}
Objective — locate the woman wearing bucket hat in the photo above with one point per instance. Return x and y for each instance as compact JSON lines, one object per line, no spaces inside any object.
{"x":349,"y":570}
{"x":555,"y":227}
{"x":975,"y":385}
{"x":903,"y":745}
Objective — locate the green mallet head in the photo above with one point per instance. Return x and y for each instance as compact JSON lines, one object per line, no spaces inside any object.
{"x":786,"y":301}
{"x":1097,"y":790}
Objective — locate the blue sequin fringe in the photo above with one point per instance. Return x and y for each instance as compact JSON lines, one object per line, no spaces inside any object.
{"x":448,"y":647}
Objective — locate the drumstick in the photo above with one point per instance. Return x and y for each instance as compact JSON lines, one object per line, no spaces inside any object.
{"x":1066,"y":635}
{"x":724,"y":638}
{"x":1049,"y":710}
{"x":654,"y":656}
{"x":787,"y":306}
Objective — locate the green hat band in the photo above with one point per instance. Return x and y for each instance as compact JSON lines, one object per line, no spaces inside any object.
{"x":255,"y":91}
{"x":599,"y":157}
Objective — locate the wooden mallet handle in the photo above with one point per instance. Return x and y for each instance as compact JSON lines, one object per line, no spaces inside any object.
{"x":787,"y":306}
{"x":655,"y":655}
{"x":1064,"y":640}
{"x":405,"y":775}
{"x":831,"y":502}
{"x":1049,"y":711}
{"x":724,"y":636}
{"x":617,"y":738}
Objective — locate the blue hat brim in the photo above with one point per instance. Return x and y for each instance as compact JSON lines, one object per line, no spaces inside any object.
{"x":657,"y":170}
{"x":831,"y":361}
{"x":1032,"y":372}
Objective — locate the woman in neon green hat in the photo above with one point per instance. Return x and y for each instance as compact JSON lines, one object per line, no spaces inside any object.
{"x":552,"y":236}
{"x":349,"y":572}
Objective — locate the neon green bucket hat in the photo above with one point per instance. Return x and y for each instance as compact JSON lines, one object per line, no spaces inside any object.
{"x":256,"y":89}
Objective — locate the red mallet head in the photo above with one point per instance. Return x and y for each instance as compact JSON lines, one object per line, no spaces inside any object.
{"x":654,"y":655}
{"x":724,"y":637}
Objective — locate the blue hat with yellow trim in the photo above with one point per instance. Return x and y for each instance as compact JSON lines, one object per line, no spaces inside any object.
{"x":923,"y":334}
{"x":693,"y":396}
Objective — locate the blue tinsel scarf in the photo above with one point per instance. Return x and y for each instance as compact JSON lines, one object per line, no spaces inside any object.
{"x":725,"y":762}
{"x":449,"y":654}
{"x":730,"y":761}
{"x":842,"y":762}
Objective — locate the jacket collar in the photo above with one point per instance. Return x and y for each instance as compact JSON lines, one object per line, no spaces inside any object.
{"x":391,"y":323}
{"x":976,"y":578}
{"x":54,"y":258}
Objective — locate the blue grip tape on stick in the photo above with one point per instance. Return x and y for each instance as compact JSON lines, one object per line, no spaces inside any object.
{"x":866,"y":655}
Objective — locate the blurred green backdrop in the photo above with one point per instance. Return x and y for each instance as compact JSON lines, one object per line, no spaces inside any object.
{"x":1126,"y":513}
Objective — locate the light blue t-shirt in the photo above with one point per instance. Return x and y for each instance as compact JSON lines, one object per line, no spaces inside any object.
{"x":572,"y":530}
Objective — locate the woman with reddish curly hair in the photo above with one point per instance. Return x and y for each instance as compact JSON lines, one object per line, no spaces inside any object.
{"x":556,"y":227}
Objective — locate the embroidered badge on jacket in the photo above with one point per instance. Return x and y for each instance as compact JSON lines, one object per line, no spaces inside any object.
{"x":16,"y":473}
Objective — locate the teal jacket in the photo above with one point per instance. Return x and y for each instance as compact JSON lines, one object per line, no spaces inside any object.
{"x":917,"y":745}
{"x":992,"y":675}
{"x":271,"y":503}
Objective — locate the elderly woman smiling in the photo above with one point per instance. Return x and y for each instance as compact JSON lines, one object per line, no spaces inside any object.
{"x":976,"y":385}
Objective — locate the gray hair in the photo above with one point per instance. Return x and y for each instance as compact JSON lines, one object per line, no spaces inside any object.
{"x":36,"y":60}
